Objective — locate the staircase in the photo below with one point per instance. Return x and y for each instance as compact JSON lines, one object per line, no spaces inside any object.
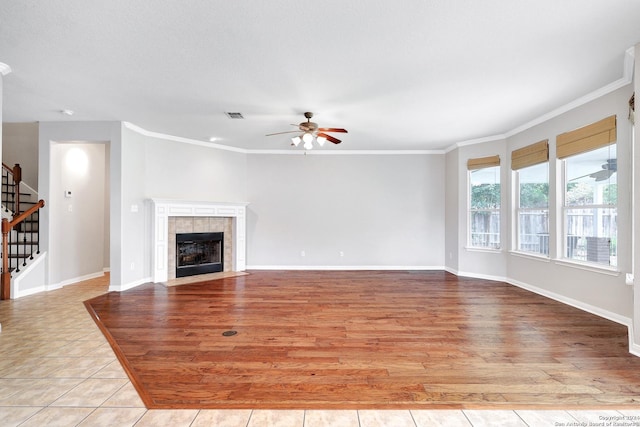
{"x":20,"y":226}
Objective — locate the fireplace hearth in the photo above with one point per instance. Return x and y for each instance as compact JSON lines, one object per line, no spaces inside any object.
{"x":199,"y":253}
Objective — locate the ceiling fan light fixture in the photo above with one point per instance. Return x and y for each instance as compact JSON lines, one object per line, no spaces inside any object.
{"x":307,"y":138}
{"x":308,"y":145}
{"x":296,"y":140}
{"x":321,"y":140}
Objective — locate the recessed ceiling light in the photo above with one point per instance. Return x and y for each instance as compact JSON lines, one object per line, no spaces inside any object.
{"x":67,"y":112}
{"x":213,"y":139}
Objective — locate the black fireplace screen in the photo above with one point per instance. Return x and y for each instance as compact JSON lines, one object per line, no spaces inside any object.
{"x":198,"y":253}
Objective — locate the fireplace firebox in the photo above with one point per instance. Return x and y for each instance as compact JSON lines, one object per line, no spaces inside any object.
{"x":199,"y":253}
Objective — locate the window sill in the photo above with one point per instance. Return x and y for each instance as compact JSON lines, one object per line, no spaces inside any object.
{"x":487,"y":250}
{"x":609,"y":271}
{"x":530,"y":255}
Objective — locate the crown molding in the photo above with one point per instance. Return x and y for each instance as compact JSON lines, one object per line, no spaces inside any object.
{"x":627,"y":78}
{"x":159,"y":135}
{"x":345,"y":152}
{"x":4,"y":69}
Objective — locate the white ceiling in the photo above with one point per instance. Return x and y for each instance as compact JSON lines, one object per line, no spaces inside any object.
{"x":399,"y":75}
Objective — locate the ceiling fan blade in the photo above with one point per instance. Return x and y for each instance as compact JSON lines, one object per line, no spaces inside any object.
{"x":330,"y":138}
{"x":280,"y":133}
{"x":602,"y":175}
{"x":332,"y":130}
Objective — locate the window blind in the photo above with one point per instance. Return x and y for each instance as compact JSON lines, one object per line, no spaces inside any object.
{"x":530,"y":155}
{"x":483,"y":162}
{"x":587,"y":138}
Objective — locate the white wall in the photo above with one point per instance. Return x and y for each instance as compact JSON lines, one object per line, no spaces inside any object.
{"x":76,"y":245}
{"x":52,"y":217}
{"x":605,"y":292}
{"x":635,"y":209}
{"x":452,"y":207}
{"x":21,"y":146}
{"x":379,"y":210}
{"x":602,"y":292}
{"x":475,"y":262}
{"x":151,"y":167}
{"x":177,"y":170}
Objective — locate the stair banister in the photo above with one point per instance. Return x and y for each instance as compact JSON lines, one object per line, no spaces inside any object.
{"x":16,"y":176}
{"x":5,"y":286}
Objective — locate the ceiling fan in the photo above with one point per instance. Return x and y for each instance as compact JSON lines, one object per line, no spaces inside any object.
{"x":309,"y":130}
{"x":608,"y":169}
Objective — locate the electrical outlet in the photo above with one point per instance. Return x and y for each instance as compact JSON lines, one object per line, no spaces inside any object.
{"x":133,"y":265}
{"x":629,"y":279}
{"x":341,"y":253}
{"x":302,"y":253}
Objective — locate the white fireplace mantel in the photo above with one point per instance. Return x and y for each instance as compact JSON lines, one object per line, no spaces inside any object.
{"x":162,"y":209}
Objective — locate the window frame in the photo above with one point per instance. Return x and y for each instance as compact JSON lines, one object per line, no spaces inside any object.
{"x":518,"y":210}
{"x":471,"y":210}
{"x":565,"y":208}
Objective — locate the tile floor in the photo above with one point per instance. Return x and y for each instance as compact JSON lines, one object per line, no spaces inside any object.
{"x":57,"y":369}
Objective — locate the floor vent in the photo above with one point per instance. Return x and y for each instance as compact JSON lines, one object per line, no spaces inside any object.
{"x":234,"y":115}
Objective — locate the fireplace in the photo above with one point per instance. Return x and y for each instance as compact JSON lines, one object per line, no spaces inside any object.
{"x":199,"y":253}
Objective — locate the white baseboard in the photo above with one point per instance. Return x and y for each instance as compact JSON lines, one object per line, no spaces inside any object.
{"x":74,"y":280}
{"x":130,"y":285}
{"x":481,"y":276}
{"x":27,"y":292}
{"x":345,"y":267}
{"x":16,"y":292}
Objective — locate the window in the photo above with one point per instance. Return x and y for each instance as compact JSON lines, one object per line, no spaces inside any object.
{"x":590,"y":166}
{"x":533,"y":209}
{"x":590,"y":206}
{"x":484,"y":202}
{"x":531,"y":166}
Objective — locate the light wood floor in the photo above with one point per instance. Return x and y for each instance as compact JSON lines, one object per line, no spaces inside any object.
{"x":338,"y":340}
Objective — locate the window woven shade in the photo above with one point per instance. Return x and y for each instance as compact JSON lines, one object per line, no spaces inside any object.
{"x":483,"y":162}
{"x":587,"y":138}
{"x":530,"y":155}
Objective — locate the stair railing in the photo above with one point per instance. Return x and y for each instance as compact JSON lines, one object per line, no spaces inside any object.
{"x":26,"y":220}
{"x":11,"y":179}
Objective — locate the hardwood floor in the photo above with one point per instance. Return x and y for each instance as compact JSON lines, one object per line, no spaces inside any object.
{"x":346,"y":339}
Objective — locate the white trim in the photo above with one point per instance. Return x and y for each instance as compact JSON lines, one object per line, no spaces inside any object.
{"x":75,"y":280}
{"x":627,"y":74}
{"x":347,"y":267}
{"x":162,"y":209}
{"x":31,"y":189}
{"x":481,"y":249}
{"x":481,"y":276}
{"x":159,"y":135}
{"x":627,"y":78}
{"x":15,"y":281}
{"x":106,"y":270}
{"x":28,"y":292}
{"x":130,"y":285}
{"x":606,"y":314}
{"x":4,"y":69}
{"x":321,"y":152}
{"x":206,"y":144}
{"x":588,"y":267}
{"x":530,"y":255}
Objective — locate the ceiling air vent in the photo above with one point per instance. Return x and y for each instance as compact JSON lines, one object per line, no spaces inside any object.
{"x":234,"y":115}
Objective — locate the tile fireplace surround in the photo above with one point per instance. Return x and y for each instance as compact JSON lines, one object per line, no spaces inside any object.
{"x":163,"y":209}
